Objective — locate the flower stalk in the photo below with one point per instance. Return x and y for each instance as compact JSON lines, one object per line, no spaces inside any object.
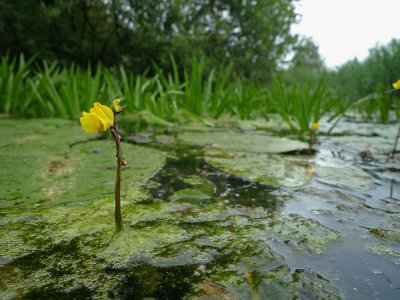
{"x":121,"y":161}
{"x":117,"y":139}
{"x":99,"y":119}
{"x":312,"y":137}
{"x":395,"y":143}
{"x":396,"y":86}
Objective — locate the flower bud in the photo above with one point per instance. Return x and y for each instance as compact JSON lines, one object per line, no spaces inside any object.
{"x":396,"y":85}
{"x":117,"y":107}
{"x":315,"y":126}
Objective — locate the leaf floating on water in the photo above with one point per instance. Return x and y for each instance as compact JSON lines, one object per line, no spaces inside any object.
{"x":273,"y":170}
{"x":60,"y":174}
{"x":288,"y":171}
{"x":235,"y":141}
{"x":342,"y":174}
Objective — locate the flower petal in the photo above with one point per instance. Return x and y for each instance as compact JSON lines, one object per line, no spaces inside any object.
{"x":315,"y":126}
{"x":89,"y":123}
{"x":104,"y":114}
{"x":109,"y":113}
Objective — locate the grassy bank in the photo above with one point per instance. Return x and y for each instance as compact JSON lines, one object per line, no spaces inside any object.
{"x":31,"y":88}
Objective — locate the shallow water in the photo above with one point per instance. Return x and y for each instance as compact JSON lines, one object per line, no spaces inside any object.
{"x":198,"y":226}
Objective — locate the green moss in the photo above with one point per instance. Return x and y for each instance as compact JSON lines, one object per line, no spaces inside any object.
{"x":387,"y":251}
{"x":302,"y":233}
{"x":39,"y":169}
{"x":55,"y":193}
{"x":191,"y":196}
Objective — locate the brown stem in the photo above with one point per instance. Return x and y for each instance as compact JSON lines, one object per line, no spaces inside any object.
{"x":117,"y":138}
{"x":395,"y":143}
{"x":310,"y":141}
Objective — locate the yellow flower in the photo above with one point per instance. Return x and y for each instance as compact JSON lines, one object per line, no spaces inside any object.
{"x":117,"y":107}
{"x":396,"y":84}
{"x":315,"y":126}
{"x":99,"y":119}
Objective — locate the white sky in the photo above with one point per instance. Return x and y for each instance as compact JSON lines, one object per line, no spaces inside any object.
{"x":344,"y":29}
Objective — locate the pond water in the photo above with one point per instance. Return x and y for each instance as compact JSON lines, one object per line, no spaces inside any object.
{"x":229,"y":212}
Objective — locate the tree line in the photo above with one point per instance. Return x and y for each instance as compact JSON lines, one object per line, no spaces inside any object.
{"x":254,"y":34}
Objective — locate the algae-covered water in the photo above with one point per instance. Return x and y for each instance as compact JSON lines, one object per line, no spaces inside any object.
{"x":228,"y":212}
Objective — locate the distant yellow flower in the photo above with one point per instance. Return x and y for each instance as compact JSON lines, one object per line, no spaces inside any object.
{"x":396,"y":84}
{"x":117,"y":107}
{"x":315,"y":126}
{"x":99,"y":119}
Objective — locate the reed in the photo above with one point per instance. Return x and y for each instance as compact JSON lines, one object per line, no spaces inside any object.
{"x":38,"y":89}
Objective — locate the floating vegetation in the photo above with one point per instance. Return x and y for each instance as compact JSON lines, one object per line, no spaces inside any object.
{"x":228,"y":221}
{"x":236,"y":141}
{"x":273,"y":170}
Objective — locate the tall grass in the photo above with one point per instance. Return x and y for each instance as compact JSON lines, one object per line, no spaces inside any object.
{"x":299,"y":106}
{"x":379,"y":105}
{"x":55,"y":91}
{"x":28,"y":89}
{"x":14,"y":91}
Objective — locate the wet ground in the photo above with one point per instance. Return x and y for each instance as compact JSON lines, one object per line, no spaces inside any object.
{"x":228,"y":212}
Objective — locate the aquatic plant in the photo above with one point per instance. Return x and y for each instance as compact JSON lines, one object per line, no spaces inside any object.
{"x":38,"y":89}
{"x":301,"y":105}
{"x":99,"y":119}
{"x":396,"y":86}
{"x":312,"y":137}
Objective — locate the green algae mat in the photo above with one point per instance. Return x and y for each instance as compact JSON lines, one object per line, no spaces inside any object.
{"x":217,"y":213}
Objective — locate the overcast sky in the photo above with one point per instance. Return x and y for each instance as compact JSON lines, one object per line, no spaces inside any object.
{"x":344,"y":29}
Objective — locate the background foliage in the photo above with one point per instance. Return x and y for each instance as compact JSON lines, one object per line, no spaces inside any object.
{"x":356,"y":79}
{"x":135,"y":33}
{"x":174,"y":59}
